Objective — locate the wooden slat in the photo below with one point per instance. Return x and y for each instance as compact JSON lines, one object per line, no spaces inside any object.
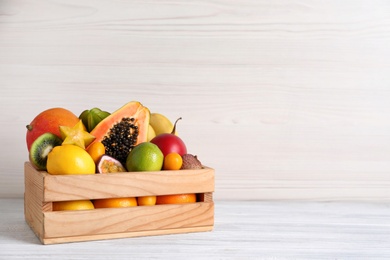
{"x":33,"y":215}
{"x":77,"y":187}
{"x":205,"y":197}
{"x":134,"y":219}
{"x":58,"y":240}
{"x":33,"y":181}
{"x":33,"y":196}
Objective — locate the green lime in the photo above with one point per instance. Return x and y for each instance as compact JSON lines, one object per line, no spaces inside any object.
{"x":145,"y":157}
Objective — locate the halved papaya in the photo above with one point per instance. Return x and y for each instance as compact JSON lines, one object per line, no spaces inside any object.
{"x":123,"y":129}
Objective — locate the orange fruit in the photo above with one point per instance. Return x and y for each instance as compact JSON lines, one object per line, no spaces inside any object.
{"x":146,"y":201}
{"x":72,"y":205}
{"x":172,"y":161}
{"x":96,"y":151}
{"x":49,"y":121}
{"x":176,"y":199}
{"x":115,"y":203}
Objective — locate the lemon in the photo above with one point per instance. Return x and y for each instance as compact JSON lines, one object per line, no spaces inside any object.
{"x":73,"y":205}
{"x":70,"y":159}
{"x":145,"y":157}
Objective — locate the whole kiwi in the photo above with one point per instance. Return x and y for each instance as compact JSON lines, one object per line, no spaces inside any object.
{"x":41,"y":147}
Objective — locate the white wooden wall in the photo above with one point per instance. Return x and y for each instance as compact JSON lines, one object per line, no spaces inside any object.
{"x":285,"y":98}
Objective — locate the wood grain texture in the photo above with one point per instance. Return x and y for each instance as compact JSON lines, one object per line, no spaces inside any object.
{"x":41,"y":189}
{"x":70,"y":226}
{"x":268,"y":91}
{"x":49,"y":188}
{"x":243,"y":229}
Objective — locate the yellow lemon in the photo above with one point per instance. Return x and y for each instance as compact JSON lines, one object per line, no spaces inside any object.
{"x":70,"y":159}
{"x":72,"y":205}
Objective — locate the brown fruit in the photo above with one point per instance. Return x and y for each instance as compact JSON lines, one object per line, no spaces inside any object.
{"x":190,"y":162}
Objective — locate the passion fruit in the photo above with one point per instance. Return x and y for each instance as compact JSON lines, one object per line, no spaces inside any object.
{"x":107,"y":164}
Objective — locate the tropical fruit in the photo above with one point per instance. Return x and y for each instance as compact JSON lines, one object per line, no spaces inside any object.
{"x":40,"y":149}
{"x":160,"y":123}
{"x":107,"y":164}
{"x":76,"y":135}
{"x":49,"y":121}
{"x":145,"y":157}
{"x":190,"y":162}
{"x":170,"y":142}
{"x":73,"y":205}
{"x":92,"y":117}
{"x":69,"y":159}
{"x":176,"y":199}
{"x":151,"y":133}
{"x":123,"y":129}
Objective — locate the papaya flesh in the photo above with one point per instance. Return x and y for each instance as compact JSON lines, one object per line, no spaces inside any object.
{"x":123,"y":129}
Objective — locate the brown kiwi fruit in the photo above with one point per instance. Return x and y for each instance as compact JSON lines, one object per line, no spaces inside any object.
{"x":41,"y":147}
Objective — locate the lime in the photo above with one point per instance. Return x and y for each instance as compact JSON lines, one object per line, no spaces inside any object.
{"x":145,"y":157}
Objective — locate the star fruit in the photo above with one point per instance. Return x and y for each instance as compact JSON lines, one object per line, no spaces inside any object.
{"x":76,"y":135}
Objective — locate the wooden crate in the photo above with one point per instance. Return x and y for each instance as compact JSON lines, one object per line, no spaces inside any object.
{"x":51,"y":227}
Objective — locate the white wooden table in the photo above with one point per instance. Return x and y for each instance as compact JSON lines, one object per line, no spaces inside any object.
{"x":243,"y":230}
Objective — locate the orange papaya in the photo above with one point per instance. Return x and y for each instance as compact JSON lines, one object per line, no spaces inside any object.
{"x":123,"y":129}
